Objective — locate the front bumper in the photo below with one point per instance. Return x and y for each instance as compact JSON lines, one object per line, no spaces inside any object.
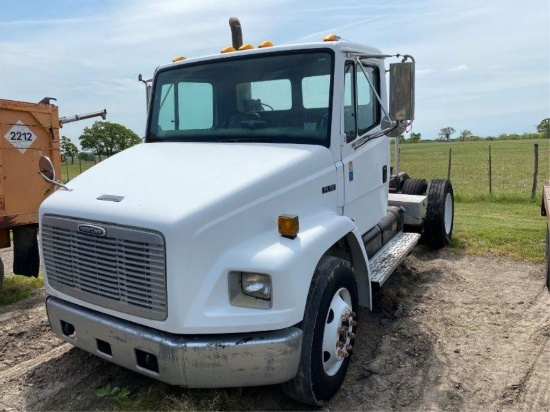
{"x":196,"y":361}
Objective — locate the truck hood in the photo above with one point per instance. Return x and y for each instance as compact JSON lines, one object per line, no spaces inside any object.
{"x":160,"y":184}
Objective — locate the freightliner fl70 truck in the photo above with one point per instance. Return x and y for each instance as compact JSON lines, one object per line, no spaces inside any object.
{"x":235,"y":245}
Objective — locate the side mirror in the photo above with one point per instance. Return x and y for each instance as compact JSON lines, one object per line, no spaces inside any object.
{"x":47,"y":171}
{"x":401,"y":96}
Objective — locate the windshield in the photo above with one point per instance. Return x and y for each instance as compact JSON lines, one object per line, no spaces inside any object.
{"x":278,"y":98}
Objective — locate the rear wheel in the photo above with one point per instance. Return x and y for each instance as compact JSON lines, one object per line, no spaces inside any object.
{"x":414,"y":187}
{"x":438,"y":228}
{"x":329,"y":333}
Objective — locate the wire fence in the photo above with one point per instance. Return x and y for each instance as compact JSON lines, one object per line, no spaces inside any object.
{"x":513,"y":169}
{"x":72,"y":167}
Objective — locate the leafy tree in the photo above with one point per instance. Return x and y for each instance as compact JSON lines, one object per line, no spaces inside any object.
{"x":68,"y":148}
{"x":86,"y":156}
{"x":465,"y":135}
{"x":107,"y":138}
{"x":544,"y":127}
{"x":415,"y":137}
{"x":446,"y":132}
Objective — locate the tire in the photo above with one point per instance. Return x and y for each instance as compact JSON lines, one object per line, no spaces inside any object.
{"x":414,"y":187}
{"x":331,"y":307}
{"x":438,"y":227}
{"x":1,"y":273}
{"x":548,"y":257}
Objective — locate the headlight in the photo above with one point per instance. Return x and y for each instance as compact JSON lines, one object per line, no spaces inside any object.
{"x":256,"y":285}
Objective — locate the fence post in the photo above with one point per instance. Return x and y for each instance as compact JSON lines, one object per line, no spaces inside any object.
{"x":536,"y":173}
{"x":80,"y":164}
{"x":67,"y":168}
{"x":490,"y":173}
{"x":449,"y":166}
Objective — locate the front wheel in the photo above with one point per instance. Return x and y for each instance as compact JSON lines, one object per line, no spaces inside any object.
{"x":329,"y":332}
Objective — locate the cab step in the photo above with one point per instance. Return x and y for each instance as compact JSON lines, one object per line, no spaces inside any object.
{"x":391,"y":255}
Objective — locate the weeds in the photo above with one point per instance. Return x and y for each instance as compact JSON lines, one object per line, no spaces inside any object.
{"x":16,"y":288}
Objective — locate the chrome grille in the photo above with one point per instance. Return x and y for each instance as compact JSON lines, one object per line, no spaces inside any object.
{"x":124,"y":270}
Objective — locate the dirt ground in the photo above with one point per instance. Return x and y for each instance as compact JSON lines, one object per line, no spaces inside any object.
{"x":450,"y":332}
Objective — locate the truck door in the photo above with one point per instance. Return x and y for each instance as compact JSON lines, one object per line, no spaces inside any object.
{"x":365,"y":165}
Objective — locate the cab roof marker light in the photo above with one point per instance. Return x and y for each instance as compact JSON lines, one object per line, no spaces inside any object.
{"x":246,"y":46}
{"x":227,"y":49}
{"x":266,"y":43}
{"x":178,"y":59}
{"x":332,"y":37}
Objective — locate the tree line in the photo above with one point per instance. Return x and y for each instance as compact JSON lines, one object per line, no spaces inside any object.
{"x":101,"y":139}
{"x":108,"y":138}
{"x":445,"y":134}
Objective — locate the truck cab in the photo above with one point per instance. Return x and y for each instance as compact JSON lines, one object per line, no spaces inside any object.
{"x":235,"y":245}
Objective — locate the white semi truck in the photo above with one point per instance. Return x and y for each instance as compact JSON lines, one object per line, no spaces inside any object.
{"x":234,"y":246}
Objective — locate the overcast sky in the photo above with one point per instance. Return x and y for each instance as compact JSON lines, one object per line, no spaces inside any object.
{"x":482,"y":66}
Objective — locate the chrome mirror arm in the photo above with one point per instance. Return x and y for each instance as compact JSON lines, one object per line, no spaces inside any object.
{"x":54,"y":182}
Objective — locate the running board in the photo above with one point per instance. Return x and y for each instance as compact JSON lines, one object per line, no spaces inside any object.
{"x":391,"y":255}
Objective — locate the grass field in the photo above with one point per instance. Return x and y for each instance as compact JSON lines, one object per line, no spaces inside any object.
{"x":70,"y":170}
{"x":505,"y":222}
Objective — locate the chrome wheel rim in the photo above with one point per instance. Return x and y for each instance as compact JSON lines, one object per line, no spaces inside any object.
{"x":338,"y":333}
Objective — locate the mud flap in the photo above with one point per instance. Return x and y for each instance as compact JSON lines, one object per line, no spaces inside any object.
{"x":26,"y":260}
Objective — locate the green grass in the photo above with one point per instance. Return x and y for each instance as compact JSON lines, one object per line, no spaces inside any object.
{"x":16,"y":288}
{"x":512,"y":229}
{"x":505,"y":222}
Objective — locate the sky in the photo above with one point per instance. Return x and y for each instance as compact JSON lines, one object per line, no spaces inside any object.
{"x":480,"y":66}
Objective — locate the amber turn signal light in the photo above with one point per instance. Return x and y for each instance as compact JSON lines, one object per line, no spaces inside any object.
{"x":289,"y":226}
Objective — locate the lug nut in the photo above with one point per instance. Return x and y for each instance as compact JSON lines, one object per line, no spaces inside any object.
{"x":353,"y":323}
{"x":353,"y":314}
{"x":349,"y":348}
{"x":352,"y":335}
{"x":340,"y":330}
{"x":343,"y":353}
{"x":340,"y":344}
